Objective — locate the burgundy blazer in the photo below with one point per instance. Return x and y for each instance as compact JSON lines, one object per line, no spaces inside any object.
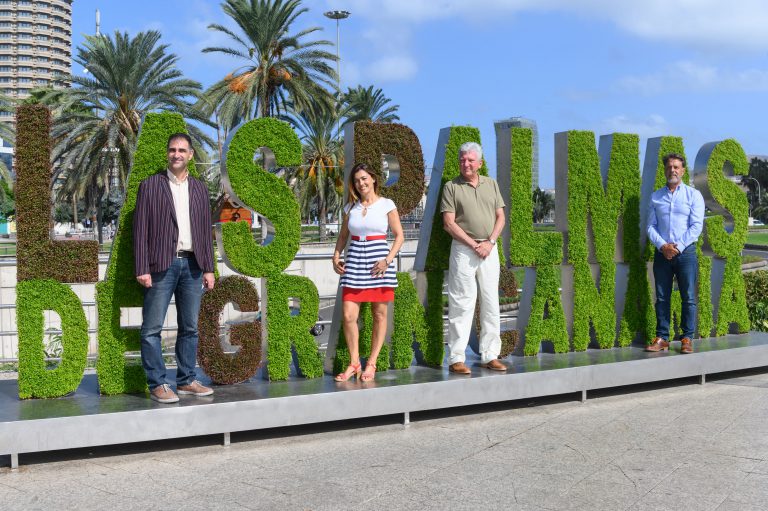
{"x":156,"y":231}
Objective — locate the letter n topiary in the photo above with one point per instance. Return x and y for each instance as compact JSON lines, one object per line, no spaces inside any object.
{"x":594,"y":211}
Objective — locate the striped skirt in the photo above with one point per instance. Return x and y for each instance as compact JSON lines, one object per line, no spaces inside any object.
{"x":358,"y":263}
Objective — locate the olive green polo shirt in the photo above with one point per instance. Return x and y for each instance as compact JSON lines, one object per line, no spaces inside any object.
{"x":475,"y":208}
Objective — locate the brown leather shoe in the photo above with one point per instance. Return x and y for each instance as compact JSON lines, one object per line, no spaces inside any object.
{"x":459,"y":368}
{"x":686,"y":345}
{"x":658,"y":344}
{"x":495,"y":365}
{"x":194,"y":389}
{"x":163,"y":394}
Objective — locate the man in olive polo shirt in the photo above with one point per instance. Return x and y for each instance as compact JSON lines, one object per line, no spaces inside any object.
{"x":473,"y":214}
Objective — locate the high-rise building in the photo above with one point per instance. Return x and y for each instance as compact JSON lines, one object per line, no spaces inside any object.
{"x":35,"y":46}
{"x":522,"y":122}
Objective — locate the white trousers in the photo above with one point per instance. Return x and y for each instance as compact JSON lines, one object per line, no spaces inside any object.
{"x":466,"y":274}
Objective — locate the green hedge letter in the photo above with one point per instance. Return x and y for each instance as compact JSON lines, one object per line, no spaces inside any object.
{"x":726,"y":198}
{"x":250,"y":184}
{"x":119,"y":288}
{"x":44,"y":264}
{"x":541,"y":316}
{"x":33,"y":298}
{"x":224,"y":368}
{"x":598,"y":196}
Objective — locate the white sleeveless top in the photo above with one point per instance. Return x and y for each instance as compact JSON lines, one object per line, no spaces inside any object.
{"x":375,"y":220}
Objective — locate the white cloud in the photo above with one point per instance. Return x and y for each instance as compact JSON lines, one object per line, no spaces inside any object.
{"x":693,"y":77}
{"x":652,"y":126}
{"x":392,"y":68}
{"x":704,"y":24}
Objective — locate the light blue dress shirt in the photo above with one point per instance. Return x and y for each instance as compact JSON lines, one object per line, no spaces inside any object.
{"x":675,"y":217}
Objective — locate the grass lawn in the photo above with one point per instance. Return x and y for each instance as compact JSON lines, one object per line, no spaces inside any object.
{"x":757,"y":238}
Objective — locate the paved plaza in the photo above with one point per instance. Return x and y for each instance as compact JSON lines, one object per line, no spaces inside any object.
{"x":677,"y":445}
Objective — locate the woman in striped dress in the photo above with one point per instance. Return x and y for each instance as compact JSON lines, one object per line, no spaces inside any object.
{"x":368,"y":270}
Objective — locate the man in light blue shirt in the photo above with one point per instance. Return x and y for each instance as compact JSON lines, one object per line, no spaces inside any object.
{"x":675,"y":221}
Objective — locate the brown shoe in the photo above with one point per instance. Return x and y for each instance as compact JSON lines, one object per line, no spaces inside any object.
{"x":494,"y":365}
{"x":163,"y":394}
{"x":686,"y":345}
{"x":658,"y":344}
{"x":459,"y":368}
{"x":194,"y":389}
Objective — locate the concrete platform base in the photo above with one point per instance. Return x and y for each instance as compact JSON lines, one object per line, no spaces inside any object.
{"x":88,"y":419}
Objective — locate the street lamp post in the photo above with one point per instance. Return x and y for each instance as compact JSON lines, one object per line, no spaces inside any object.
{"x":758,"y":188}
{"x":338,"y":15}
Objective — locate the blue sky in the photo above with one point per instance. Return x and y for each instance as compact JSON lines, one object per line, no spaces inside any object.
{"x":691,"y":68}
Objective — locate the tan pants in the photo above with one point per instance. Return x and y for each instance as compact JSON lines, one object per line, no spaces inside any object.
{"x":467,"y":274}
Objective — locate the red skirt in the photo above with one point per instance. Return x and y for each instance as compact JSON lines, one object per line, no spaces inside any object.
{"x":371,"y":294}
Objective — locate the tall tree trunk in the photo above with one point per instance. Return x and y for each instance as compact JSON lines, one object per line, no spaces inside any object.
{"x":74,"y":210}
{"x":321,"y":209}
{"x":100,"y":215}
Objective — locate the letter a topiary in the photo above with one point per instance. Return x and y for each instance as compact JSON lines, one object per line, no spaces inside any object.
{"x":119,"y":288}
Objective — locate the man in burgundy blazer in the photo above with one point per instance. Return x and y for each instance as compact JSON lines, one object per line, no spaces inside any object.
{"x":173,"y":256}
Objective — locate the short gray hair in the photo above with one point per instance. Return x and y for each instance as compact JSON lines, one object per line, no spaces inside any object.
{"x":471,"y":146}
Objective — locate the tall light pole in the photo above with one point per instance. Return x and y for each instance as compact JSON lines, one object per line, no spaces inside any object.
{"x":758,"y":188}
{"x":338,"y":15}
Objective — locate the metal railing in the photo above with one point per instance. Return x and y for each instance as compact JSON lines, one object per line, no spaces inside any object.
{"x":103,"y":258}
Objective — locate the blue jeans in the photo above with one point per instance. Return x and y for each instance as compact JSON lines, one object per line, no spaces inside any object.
{"x":685,"y":267}
{"x":184,"y":279}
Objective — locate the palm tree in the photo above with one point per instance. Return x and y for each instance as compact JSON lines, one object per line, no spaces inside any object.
{"x":543,"y":203}
{"x":277,"y":67}
{"x":97,"y":128}
{"x":363,"y":104}
{"x":320,"y":181}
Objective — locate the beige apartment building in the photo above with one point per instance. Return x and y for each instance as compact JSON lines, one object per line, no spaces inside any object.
{"x":35,"y":46}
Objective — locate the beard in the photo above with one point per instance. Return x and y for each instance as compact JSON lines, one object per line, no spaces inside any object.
{"x":673,"y":180}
